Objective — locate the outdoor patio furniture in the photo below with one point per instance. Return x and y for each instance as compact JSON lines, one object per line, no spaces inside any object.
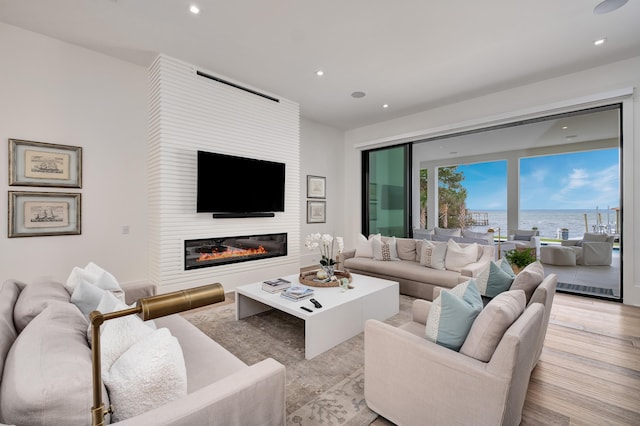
{"x":558,"y":255}
{"x":593,"y":249}
{"x":526,"y":238}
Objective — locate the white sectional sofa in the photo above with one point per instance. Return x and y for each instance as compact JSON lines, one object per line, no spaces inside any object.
{"x":415,"y":279}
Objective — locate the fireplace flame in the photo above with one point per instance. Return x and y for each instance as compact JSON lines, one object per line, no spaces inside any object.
{"x":231,"y":252}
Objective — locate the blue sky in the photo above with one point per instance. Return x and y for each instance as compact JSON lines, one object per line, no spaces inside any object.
{"x":580,"y":180}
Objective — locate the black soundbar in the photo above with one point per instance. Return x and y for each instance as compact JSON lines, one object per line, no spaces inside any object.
{"x":238,"y":215}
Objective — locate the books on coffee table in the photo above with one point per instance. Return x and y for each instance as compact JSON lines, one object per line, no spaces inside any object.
{"x":274,"y":286}
{"x":296,"y":293}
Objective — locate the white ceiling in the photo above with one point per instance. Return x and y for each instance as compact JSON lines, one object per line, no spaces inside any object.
{"x":411,"y":54}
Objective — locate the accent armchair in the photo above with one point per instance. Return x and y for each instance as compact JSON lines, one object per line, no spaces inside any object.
{"x":526,"y":239}
{"x":592,"y":249}
{"x":412,"y":381}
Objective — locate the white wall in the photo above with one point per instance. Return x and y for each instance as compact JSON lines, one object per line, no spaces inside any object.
{"x":321,"y":150}
{"x":190,"y":113}
{"x":55,"y":92}
{"x":587,"y":88}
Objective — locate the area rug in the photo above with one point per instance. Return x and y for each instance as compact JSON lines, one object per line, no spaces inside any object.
{"x":585,"y":289}
{"x":326,"y":390}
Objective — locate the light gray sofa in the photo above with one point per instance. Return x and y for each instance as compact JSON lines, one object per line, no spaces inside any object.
{"x":434,"y":385}
{"x":45,"y":365}
{"x":415,"y":279}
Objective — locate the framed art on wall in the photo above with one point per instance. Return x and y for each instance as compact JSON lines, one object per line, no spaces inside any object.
{"x":316,"y":211}
{"x":316,"y":186}
{"x":44,"y":164}
{"x":39,"y":214}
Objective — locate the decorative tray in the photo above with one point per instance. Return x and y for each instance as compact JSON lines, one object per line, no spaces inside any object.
{"x":309,"y":278}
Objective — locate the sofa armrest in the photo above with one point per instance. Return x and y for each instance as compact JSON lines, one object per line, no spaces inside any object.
{"x":137,"y":290}
{"x":347,"y":254}
{"x":420,"y":309}
{"x":472,"y":270}
{"x":252,"y":396}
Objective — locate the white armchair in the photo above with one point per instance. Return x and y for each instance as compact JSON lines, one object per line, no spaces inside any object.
{"x":526,"y":239}
{"x":592,"y":249}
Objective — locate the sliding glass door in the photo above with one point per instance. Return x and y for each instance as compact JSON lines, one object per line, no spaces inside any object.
{"x":386,"y":181}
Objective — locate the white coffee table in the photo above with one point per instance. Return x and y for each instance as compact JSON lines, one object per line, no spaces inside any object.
{"x":341,"y":317}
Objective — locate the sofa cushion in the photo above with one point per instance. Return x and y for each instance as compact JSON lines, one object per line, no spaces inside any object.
{"x":589,"y":236}
{"x":458,"y":256}
{"x":493,"y":280}
{"x":452,"y":314}
{"x":403,"y":270}
{"x":432,"y":255}
{"x":453,"y":232}
{"x":406,"y":248}
{"x":149,"y":374}
{"x":385,"y":250}
{"x":529,"y":278}
{"x":47,"y":375}
{"x":34,"y":298}
{"x":9,"y":293}
{"x":505,"y":266}
{"x":492,"y":322}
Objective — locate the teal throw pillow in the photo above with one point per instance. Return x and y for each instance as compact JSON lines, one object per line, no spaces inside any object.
{"x":506,"y":266}
{"x":452,"y":314}
{"x":493,"y":280}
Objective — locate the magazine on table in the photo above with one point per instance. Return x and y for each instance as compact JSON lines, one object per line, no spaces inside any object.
{"x":297,"y":293}
{"x":274,"y":286}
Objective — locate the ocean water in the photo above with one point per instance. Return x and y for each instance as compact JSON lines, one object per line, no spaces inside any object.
{"x":550,"y":222}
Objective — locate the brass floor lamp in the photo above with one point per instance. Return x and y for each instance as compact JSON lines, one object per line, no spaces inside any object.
{"x":147,"y":308}
{"x":492,"y":230}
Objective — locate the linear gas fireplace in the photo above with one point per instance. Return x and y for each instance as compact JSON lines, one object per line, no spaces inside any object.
{"x":207,"y":252}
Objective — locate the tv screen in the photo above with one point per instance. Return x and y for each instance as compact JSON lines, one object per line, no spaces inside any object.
{"x":230,"y":184}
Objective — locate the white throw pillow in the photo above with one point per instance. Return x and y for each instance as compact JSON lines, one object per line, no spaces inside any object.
{"x":93,"y":274}
{"x":148,"y":375}
{"x":87,"y":297}
{"x":458,"y":257}
{"x":432,"y":254}
{"x":364,"y":247}
{"x":118,"y":335}
{"x":385,"y":250}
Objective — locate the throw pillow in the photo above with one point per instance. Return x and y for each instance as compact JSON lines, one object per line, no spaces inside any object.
{"x":452,"y":314}
{"x":47,"y":375}
{"x":93,"y":274}
{"x":504,"y":264}
{"x":406,"y":248}
{"x":487,"y":330}
{"x":87,"y":297}
{"x":488,"y":236}
{"x":458,"y":257}
{"x":33,"y":299}
{"x":364,"y":247}
{"x":493,"y":280}
{"x":529,"y":278}
{"x":432,"y":255}
{"x":119,"y":334}
{"x":148,"y":375}
{"x":385,"y":250}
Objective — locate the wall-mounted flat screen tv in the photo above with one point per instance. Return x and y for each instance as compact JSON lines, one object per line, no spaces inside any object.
{"x":230,"y":184}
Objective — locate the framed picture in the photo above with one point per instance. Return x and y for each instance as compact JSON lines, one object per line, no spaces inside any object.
{"x":39,"y":214}
{"x":44,"y":164}
{"x":316,"y":211}
{"x":316,"y":186}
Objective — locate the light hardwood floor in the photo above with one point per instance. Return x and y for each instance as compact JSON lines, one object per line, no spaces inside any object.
{"x":589,"y":371}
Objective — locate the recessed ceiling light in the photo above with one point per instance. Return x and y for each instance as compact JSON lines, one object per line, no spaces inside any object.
{"x":609,"y":6}
{"x":571,"y":136}
{"x":385,"y":106}
{"x":600,"y":42}
{"x":358,"y":95}
{"x":565,"y":127}
{"x":453,"y":152}
{"x":194,"y":9}
{"x":319,"y":73}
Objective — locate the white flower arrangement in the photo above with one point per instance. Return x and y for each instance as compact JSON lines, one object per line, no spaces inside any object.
{"x":326,"y":243}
